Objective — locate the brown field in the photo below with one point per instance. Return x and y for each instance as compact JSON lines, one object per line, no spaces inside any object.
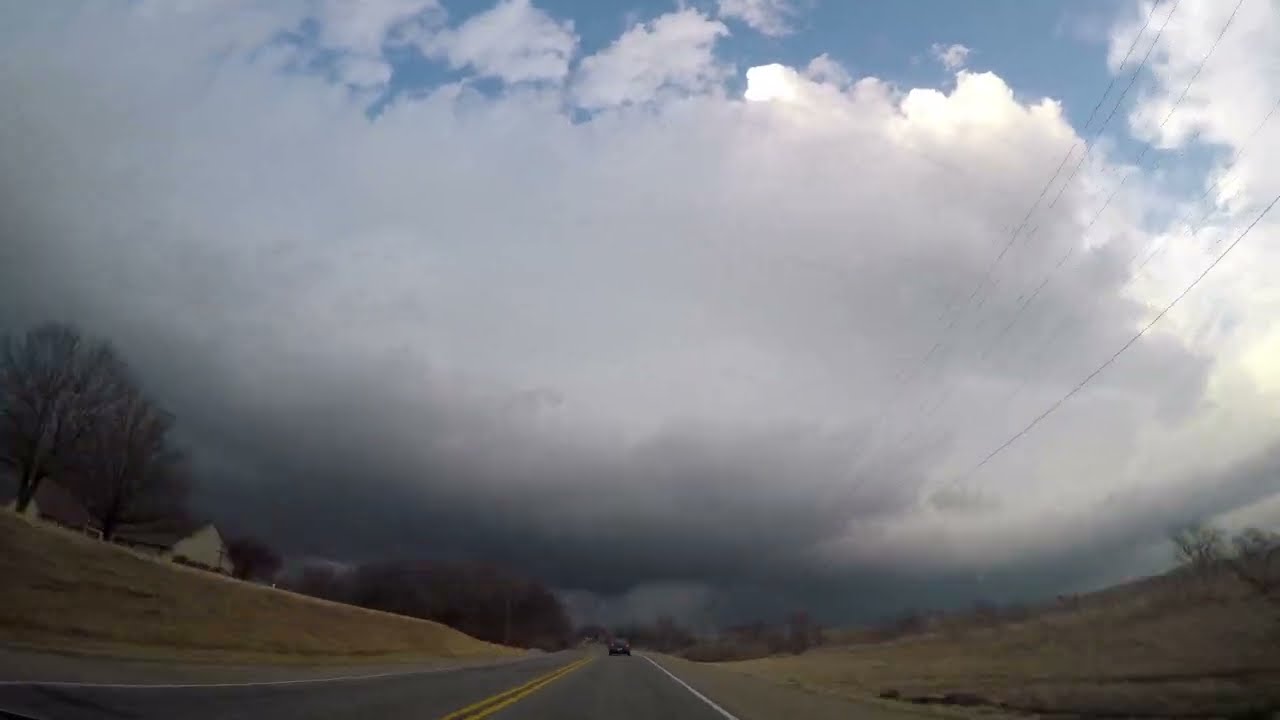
{"x":1165,"y":647}
{"x":67,"y":592}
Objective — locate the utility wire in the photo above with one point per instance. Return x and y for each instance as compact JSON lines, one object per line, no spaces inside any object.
{"x":939,"y":343}
{"x":1018,"y":313}
{"x":909,"y":377}
{"x":1235,"y":160}
{"x":1132,"y":80}
{"x":1241,"y":151}
{"x":1097,"y":133}
{"x":1172,"y":109}
{"x":1116,"y":355}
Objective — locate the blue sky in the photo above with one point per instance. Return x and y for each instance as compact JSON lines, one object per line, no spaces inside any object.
{"x":1054,"y":49}
{"x":1042,"y":49}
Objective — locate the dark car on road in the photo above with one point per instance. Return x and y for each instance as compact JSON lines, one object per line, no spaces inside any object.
{"x":618,"y":646}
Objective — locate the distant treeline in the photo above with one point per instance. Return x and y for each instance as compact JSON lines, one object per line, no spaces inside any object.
{"x":482,"y":601}
{"x":794,"y":634}
{"x":663,"y":635}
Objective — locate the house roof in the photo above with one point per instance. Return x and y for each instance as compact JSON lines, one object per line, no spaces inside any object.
{"x":53,"y":500}
{"x":161,"y":535}
{"x":58,"y":504}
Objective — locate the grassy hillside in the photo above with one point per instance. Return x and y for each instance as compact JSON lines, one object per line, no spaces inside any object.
{"x":64,"y":591}
{"x":1159,"y":648}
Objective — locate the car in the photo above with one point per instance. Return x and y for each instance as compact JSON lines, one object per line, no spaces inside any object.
{"x":619,"y":646}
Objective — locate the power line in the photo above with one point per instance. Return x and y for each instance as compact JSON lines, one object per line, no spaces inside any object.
{"x":1085,"y":128}
{"x":1030,"y":298}
{"x":1110,"y":360}
{"x":909,"y":377}
{"x":1132,"y":80}
{"x":1097,"y":215}
{"x":1150,"y":14}
{"x":1018,"y":313}
{"x":1235,"y":160}
{"x":939,"y":344}
{"x":1241,"y":151}
{"x":1172,"y":109}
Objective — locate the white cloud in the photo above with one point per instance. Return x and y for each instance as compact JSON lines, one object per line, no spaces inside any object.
{"x":673,"y":53}
{"x":697,"y":304}
{"x":823,"y":69}
{"x":770,"y":82}
{"x":1221,"y":105}
{"x":1223,"y":108}
{"x":952,"y":57}
{"x":363,"y":27}
{"x":513,"y":41}
{"x":768,"y":17}
{"x":358,"y":30}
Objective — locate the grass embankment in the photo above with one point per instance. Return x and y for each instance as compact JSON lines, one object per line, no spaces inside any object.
{"x":1156,"y":648}
{"x":67,"y":592}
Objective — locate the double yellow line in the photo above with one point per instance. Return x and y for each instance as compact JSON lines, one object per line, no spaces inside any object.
{"x":494,"y":703}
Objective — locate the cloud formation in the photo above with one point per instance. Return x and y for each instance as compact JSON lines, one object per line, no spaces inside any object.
{"x":952,"y":57}
{"x":673,"y":55}
{"x":357,"y":32}
{"x":683,"y":344}
{"x":768,"y":17}
{"x":512,"y":41}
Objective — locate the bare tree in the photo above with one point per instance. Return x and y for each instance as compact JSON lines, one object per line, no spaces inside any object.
{"x":54,"y":385}
{"x":252,"y":558}
{"x":802,"y":632}
{"x":1255,"y":560}
{"x":126,"y":472}
{"x":1199,"y":549}
{"x":1198,"y":545}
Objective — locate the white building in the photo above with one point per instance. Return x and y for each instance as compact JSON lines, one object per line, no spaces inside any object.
{"x":202,"y":547}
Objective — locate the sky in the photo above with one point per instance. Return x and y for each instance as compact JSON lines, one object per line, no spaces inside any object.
{"x":716,"y":308}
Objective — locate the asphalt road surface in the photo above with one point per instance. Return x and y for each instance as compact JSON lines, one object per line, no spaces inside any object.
{"x":561,"y":686}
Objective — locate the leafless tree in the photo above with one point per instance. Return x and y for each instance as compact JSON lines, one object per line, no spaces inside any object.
{"x":251,"y":558}
{"x":54,"y":386}
{"x":802,"y":632}
{"x":126,"y":471}
{"x":1199,"y":546}
{"x":1199,"y":550}
{"x":1255,"y":560}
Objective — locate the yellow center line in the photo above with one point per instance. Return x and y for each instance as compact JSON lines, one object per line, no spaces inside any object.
{"x":494,"y":703}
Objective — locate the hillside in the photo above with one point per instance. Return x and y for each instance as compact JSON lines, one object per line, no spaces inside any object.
{"x":67,"y":592}
{"x":1168,"y":647}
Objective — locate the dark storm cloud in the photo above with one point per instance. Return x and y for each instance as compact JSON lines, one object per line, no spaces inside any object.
{"x":650,"y":357}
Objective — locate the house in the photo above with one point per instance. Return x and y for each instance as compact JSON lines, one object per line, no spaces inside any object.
{"x":52,"y":503}
{"x":57,"y":505}
{"x":200,"y":545}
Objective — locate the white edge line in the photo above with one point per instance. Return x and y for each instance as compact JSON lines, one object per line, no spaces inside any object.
{"x":264,"y":683}
{"x":700,"y":696}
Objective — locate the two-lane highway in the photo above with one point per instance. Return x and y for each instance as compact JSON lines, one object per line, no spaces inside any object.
{"x":618,"y":688}
{"x":559,"y":686}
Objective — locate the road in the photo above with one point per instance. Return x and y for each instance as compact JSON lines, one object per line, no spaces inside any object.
{"x":558,"y":686}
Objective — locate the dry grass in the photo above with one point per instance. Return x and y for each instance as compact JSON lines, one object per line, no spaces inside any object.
{"x":1151,"y":650}
{"x":66,"y":592}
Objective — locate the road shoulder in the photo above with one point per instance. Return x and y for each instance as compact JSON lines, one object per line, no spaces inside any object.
{"x":18,"y":664}
{"x":751,"y":698}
